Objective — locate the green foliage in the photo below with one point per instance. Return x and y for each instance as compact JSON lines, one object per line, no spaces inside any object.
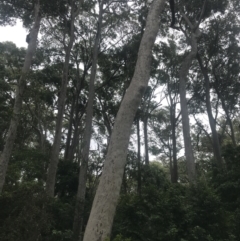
{"x":67,"y":179}
{"x":172,"y":212}
{"x":25,"y":215}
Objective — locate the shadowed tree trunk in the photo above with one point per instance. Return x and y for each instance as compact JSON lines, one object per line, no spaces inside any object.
{"x":12,"y":131}
{"x":54,"y":158}
{"x":82,"y":180}
{"x":79,"y":109}
{"x":172,"y":89}
{"x":139,"y":182}
{"x":69,"y":135}
{"x":174,"y":171}
{"x":145,"y":129}
{"x":103,"y":210}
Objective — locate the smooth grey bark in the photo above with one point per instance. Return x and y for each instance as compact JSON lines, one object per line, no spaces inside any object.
{"x":215,"y":140}
{"x":103,"y":209}
{"x":82,"y":180}
{"x":190,"y":160}
{"x":184,"y":109}
{"x":54,"y":156}
{"x":12,"y":131}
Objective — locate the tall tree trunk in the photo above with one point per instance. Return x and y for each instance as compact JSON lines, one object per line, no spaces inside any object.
{"x":174,"y":173}
{"x":54,"y":158}
{"x":145,"y":124}
{"x":12,"y":131}
{"x":139,"y":182}
{"x":70,"y":149}
{"x":183,"y":102}
{"x":69,"y":135}
{"x":215,"y":140}
{"x":70,"y":127}
{"x":75,"y":140}
{"x":101,"y":217}
{"x":79,"y":207}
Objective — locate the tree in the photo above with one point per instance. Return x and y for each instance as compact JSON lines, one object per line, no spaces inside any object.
{"x":195,"y":34}
{"x":105,"y":201}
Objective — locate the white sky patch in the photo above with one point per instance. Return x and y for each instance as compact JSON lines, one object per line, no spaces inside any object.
{"x":16,"y":34}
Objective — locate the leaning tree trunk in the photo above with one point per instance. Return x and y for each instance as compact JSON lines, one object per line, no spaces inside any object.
{"x":101,"y":217}
{"x":82,"y":180}
{"x":54,"y":157}
{"x":12,"y":131}
{"x":215,"y":140}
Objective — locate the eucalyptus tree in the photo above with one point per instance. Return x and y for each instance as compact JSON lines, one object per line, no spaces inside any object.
{"x":192,"y":32}
{"x":195,"y":34}
{"x":104,"y":34}
{"x":105,"y":201}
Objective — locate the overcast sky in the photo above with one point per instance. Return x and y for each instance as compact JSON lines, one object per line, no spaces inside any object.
{"x":16,"y":34}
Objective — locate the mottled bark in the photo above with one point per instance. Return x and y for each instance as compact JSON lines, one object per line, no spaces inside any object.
{"x":82,"y":180}
{"x":101,"y":217}
{"x":54,"y":157}
{"x":12,"y":131}
{"x":215,"y":140}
